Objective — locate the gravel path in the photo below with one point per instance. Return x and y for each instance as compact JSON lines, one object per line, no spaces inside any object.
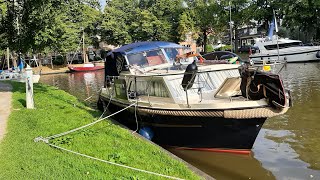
{"x":5,"y":106}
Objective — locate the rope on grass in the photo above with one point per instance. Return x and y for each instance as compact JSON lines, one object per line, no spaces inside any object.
{"x":88,"y":98}
{"x":87,"y":125}
{"x":116,"y":164}
{"x":46,"y":140}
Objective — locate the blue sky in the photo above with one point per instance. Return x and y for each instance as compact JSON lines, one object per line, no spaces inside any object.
{"x":103,"y":3}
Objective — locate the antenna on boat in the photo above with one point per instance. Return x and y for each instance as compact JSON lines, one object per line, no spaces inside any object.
{"x":276,"y":28}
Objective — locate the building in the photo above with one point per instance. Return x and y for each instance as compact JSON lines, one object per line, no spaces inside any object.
{"x":247,"y":34}
{"x":190,"y":42}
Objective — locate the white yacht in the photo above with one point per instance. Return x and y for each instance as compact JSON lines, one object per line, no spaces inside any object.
{"x":289,"y":50}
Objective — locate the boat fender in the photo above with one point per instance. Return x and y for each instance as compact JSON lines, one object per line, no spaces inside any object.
{"x":189,"y":75}
{"x":318,"y":54}
{"x":146,"y":132}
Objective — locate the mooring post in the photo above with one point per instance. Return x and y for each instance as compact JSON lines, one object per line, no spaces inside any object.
{"x":29,"y":88}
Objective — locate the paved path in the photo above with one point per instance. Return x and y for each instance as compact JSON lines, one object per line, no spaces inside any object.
{"x":5,"y":106}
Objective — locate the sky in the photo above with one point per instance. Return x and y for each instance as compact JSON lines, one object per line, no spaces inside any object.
{"x":103,"y":3}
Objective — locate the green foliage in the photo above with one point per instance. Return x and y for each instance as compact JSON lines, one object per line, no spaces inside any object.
{"x":56,"y":112}
{"x":58,"y":60}
{"x":148,"y":27}
{"x":57,"y":25}
{"x":203,"y":18}
{"x":130,"y":21}
{"x":187,"y":25}
{"x":209,"y":48}
{"x":116,"y":20}
{"x":226,"y":48}
{"x":304,"y":16}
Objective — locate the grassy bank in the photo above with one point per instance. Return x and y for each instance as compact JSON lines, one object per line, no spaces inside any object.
{"x":56,"y":112}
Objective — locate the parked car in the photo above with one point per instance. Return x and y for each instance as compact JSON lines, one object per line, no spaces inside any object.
{"x":222,"y":55}
{"x":247,"y":48}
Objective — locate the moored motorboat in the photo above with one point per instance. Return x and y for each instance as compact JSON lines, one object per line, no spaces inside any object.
{"x":175,"y":100}
{"x":284,"y":50}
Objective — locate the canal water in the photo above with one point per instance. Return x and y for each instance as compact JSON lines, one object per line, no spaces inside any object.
{"x":288,"y":146}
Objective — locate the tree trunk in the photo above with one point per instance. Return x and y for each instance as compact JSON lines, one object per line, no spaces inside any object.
{"x":205,"y":37}
{"x":236,"y":37}
{"x":318,"y":34}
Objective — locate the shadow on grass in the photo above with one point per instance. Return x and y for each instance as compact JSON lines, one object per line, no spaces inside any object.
{"x":23,"y":102}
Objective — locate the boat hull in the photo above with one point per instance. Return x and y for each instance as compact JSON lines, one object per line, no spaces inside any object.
{"x":288,"y":56}
{"x":190,"y":131}
{"x":82,"y":69}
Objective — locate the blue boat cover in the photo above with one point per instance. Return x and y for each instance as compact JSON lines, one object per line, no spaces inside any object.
{"x":145,"y":46}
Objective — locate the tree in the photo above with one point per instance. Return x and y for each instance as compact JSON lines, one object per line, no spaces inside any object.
{"x":206,"y":15}
{"x":242,"y":13}
{"x":140,"y":20}
{"x":187,"y":25}
{"x":168,"y":13}
{"x":35,"y":25}
{"x":147,"y":27}
{"x":3,"y":12}
{"x":304,"y":15}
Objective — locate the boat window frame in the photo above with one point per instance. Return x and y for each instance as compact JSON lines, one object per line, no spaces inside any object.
{"x":131,"y":81}
{"x":142,"y":52}
{"x":282,"y":45}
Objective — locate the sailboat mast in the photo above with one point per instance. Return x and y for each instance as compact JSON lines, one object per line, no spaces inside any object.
{"x":83,"y":48}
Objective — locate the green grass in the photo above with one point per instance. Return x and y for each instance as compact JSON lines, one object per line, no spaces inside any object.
{"x":57,"y":111}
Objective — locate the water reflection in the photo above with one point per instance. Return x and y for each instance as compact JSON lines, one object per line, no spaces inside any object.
{"x":84,"y":85}
{"x":287,"y":148}
{"x":273,"y":149}
{"x":225,"y":165}
{"x":291,"y":141}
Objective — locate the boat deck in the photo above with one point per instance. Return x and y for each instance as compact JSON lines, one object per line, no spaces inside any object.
{"x":215,"y":103}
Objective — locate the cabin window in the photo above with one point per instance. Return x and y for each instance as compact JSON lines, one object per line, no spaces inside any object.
{"x":147,"y":58}
{"x":282,"y":46}
{"x":149,"y":87}
{"x":173,"y":52}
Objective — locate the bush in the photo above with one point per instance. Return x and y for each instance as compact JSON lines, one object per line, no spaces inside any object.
{"x":209,"y":48}
{"x":58,"y":60}
{"x":226,"y":48}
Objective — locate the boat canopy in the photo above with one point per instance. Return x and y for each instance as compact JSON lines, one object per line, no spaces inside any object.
{"x":144,"y":56}
{"x":145,"y":46}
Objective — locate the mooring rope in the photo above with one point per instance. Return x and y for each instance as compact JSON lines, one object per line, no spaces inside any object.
{"x":46,"y":140}
{"x":88,"y":98}
{"x":113,"y":163}
{"x":87,"y":125}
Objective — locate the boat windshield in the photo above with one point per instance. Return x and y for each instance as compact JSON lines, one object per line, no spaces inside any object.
{"x":179,"y":53}
{"x":147,"y":58}
{"x":158,"y":57}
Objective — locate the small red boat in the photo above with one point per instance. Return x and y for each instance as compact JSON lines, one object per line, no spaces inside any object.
{"x":85,"y":67}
